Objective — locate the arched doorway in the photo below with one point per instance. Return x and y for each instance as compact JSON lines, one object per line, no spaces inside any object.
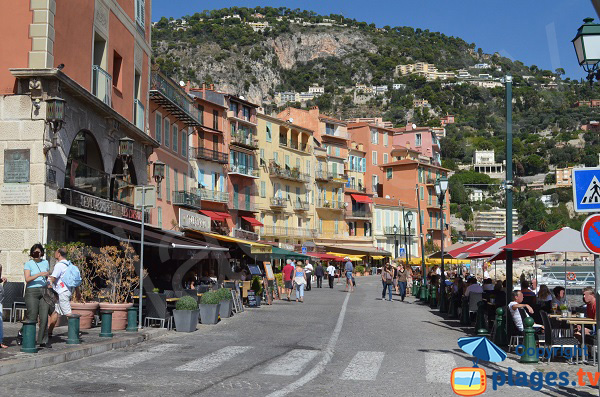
{"x":85,"y":168}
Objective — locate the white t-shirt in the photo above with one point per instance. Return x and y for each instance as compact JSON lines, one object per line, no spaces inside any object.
{"x":438,"y":271}
{"x":516,"y":316}
{"x":474,"y":288}
{"x":331,"y":270}
{"x":308,"y":268}
{"x":59,"y":270}
{"x":486,"y":274}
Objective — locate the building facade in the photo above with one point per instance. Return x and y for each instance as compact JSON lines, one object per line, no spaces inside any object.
{"x":495,"y":221}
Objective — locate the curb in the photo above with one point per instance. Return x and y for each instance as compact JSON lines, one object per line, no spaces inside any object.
{"x":75,"y":353}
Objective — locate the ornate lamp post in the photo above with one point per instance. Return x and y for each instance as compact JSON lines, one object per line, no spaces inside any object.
{"x":55,"y":117}
{"x":125,"y":152}
{"x":395,"y":229}
{"x":159,"y":171}
{"x":441,"y":185}
{"x":587,"y":48}
{"x":409,"y":218}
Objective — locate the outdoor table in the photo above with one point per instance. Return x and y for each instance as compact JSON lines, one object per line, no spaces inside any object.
{"x":583,"y":321}
{"x":172,"y":299}
{"x":137,"y":297}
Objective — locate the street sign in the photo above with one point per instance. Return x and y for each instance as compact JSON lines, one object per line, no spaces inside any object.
{"x":590,"y":234}
{"x":304,"y":250}
{"x":148,"y":200}
{"x":586,"y":189}
{"x":401,"y":252}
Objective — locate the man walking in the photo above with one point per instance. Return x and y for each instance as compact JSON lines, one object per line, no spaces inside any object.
{"x":63,"y":306}
{"x":288,"y":274}
{"x":349,"y":278}
{"x":330,"y":274}
{"x":308,"y":269}
{"x":319,"y":272}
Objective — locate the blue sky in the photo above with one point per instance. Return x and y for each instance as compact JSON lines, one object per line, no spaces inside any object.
{"x":537,"y":32}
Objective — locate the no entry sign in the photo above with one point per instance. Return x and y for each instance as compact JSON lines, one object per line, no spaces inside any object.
{"x":590,"y":234}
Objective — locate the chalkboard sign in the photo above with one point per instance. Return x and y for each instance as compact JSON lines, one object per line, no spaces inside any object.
{"x":252,"y":302}
{"x":254,"y":270}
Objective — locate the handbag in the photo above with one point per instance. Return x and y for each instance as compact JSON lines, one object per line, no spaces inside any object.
{"x":48,"y":294}
{"x":388,"y":281}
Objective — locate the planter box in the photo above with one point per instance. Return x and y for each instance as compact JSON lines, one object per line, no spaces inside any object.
{"x":225,"y":308}
{"x":209,"y":314}
{"x":87,"y":311}
{"x":119,"y":316}
{"x":186,"y":320}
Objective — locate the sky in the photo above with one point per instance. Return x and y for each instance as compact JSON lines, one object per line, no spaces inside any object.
{"x":536,"y":32}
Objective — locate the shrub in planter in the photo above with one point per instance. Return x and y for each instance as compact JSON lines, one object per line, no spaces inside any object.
{"x":186,"y":314}
{"x":257,"y":287}
{"x":359,"y":270}
{"x":279,"y":278}
{"x":225,"y":303}
{"x":209,"y":307}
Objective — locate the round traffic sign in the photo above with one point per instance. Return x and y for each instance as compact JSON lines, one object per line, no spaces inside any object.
{"x":590,"y":234}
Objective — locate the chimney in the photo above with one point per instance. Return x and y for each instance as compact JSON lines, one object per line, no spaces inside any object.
{"x":212,"y":87}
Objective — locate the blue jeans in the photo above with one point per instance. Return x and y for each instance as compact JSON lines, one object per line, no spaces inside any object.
{"x":402,"y":287}
{"x":299,"y":291}
{"x":389,"y":289}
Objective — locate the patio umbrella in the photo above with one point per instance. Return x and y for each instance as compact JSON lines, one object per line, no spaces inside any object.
{"x":482,"y":349}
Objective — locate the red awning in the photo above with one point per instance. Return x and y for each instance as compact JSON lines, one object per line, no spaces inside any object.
{"x":252,"y":221}
{"x":359,"y":198}
{"x":212,"y":215}
{"x":325,"y":257}
{"x":223,"y":215}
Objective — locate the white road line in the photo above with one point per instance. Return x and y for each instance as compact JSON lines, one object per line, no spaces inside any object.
{"x":364,"y":366}
{"x":439,"y":366}
{"x":213,"y":360}
{"x":291,"y":363}
{"x":320,"y":366}
{"x":138,"y":357}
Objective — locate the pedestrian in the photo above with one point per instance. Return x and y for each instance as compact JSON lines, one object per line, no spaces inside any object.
{"x":63,"y":305}
{"x":288,"y":271}
{"x":409,"y":280}
{"x":395,"y":281}
{"x":330,"y":274}
{"x":2,"y":281}
{"x":36,"y":273}
{"x":300,"y":282}
{"x":387,"y":278}
{"x":308,"y":269}
{"x":348,"y":268}
{"x":402,"y":280}
{"x":319,"y":273}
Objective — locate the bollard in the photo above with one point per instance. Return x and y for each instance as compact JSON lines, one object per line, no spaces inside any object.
{"x":132,"y":317}
{"x":465,"y":318}
{"x":530,"y":352}
{"x":105,"y":329}
{"x":73,"y":330}
{"x":28,"y":332}
{"x":452,"y":307}
{"x":433,"y":298}
{"x":500,"y":337}
{"x":480,"y":321}
{"x":424,"y":294}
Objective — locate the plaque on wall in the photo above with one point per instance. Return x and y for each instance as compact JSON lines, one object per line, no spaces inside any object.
{"x":15,"y":193}
{"x":16,"y":165}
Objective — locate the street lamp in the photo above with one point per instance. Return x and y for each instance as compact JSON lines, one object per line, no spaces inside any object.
{"x":441,"y":185}
{"x":409,"y":218}
{"x":395,"y":229}
{"x":125,"y":152}
{"x":159,"y":171}
{"x":55,"y":113}
{"x":587,"y":48}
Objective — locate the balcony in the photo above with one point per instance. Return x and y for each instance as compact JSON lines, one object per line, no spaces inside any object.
{"x":301,"y":206}
{"x":243,"y":205}
{"x":186,"y":199}
{"x":245,"y":234}
{"x":430,"y":181}
{"x":244,"y":140}
{"x":289,"y":174}
{"x":358,"y":188}
{"x":295,"y":145}
{"x":138,"y":115}
{"x":102,"y":85}
{"x":389,"y":230}
{"x":358,"y":214}
{"x":335,"y":134}
{"x":330,"y":177}
{"x":243,"y":170}
{"x":244,"y":119}
{"x":282,"y":231}
{"x":201,"y":153}
{"x":278,"y":202}
{"x":212,"y":195}
{"x":332,"y":205}
{"x":168,"y":95}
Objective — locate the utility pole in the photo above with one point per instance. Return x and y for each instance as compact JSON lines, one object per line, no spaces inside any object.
{"x":423,"y":270}
{"x":508,"y":189}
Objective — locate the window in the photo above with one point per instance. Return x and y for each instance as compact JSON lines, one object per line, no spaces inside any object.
{"x":175,"y":137}
{"x":201,"y":183}
{"x":263,"y":189}
{"x":185,"y":182}
{"x":420,"y":175}
{"x":364,"y":165}
{"x":140,"y":12}
{"x":329,"y":129}
{"x":159,"y":191}
{"x":246,"y":111}
{"x":337,"y":151}
{"x":385,"y":139}
{"x":421,"y":193}
{"x":158,"y":128}
{"x":429,"y":194}
{"x":167,"y":130}
{"x":168,"y":177}
{"x":159,"y":216}
{"x":184,"y":142}
{"x":389,"y":173}
{"x":418,"y":140}
{"x":176,"y":180}
{"x":320,"y":225}
{"x":116,"y":72}
{"x":215,"y":119}
{"x":276,"y":157}
{"x":375,"y":181}
{"x":269,"y":135}
{"x":201,"y":114}
{"x":430,"y":219}
{"x":287,"y":161}
{"x":262,"y":155}
{"x":234,"y":108}
{"x":336,"y":227}
{"x":308,"y":167}
{"x":422,"y":217}
{"x":385,"y":158}
{"x":374,"y":136}
{"x":374,"y":158}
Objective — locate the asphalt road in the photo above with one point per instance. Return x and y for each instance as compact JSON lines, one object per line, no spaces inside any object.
{"x":335,"y":343}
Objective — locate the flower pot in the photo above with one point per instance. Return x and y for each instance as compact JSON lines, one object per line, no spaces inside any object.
{"x":87,"y":311}
{"x":365,"y":273}
{"x":209,"y":314}
{"x":186,"y":320}
{"x":225,"y":308}
{"x":119,"y":316}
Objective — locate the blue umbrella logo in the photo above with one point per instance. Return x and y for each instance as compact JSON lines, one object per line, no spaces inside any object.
{"x":482,"y":349}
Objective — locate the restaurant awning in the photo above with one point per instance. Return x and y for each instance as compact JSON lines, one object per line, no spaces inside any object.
{"x":212,"y":215}
{"x":361,"y":198}
{"x":357,"y":250}
{"x":325,"y":257}
{"x":252,"y":221}
{"x":231,"y":239}
{"x":280,"y":253}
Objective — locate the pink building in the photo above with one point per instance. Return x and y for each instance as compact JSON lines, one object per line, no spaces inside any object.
{"x":421,"y":139}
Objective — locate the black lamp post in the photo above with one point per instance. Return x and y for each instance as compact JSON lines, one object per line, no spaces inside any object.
{"x":441,"y":185}
{"x":395,"y":229}
{"x":159,"y":171}
{"x":125,"y":152}
{"x":587,"y":48}
{"x":409,"y":218}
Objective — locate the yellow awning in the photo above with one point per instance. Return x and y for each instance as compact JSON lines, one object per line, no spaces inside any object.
{"x":347,"y":255}
{"x":232,"y":239}
{"x":378,"y":257}
{"x":355,"y":258}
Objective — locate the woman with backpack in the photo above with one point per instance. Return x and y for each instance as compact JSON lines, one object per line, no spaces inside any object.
{"x":387,"y":279}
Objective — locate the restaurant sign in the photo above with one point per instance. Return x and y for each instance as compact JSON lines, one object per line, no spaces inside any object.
{"x":93,"y":203}
{"x":194,"y":221}
{"x":261,"y":249}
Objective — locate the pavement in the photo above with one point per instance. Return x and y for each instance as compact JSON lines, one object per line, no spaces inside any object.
{"x":335,"y":343}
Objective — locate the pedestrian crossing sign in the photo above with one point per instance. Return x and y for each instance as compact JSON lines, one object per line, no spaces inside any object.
{"x":586,"y":189}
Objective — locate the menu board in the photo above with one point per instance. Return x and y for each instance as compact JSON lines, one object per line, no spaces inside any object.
{"x":252,"y":299}
{"x":269,"y":271}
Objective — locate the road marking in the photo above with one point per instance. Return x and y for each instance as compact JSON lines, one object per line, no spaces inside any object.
{"x":138,"y":357}
{"x":320,"y":366}
{"x":213,"y":360}
{"x":439,"y":367}
{"x":364,"y":366}
{"x":291,"y":363}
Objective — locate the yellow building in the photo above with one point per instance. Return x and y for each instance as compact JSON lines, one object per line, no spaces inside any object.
{"x":286,"y":183}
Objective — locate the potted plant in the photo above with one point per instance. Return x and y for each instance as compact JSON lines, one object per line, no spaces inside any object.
{"x":564,"y":310}
{"x":117,"y":267}
{"x":359,"y":270}
{"x":257,"y":287}
{"x":186,"y":314}
{"x":225,"y":302}
{"x":279,"y":278}
{"x":209,"y":307}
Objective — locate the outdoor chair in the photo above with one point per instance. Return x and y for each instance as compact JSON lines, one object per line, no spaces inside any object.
{"x":515,"y":335}
{"x":13,"y":291}
{"x":157,"y":310}
{"x":202,"y":288}
{"x":169,"y":293}
{"x":551,"y":341}
{"x":19,"y":307}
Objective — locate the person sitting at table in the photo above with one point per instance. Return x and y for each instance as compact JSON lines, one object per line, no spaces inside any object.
{"x":590,"y":312}
{"x":525,"y":289}
{"x":488,"y":284}
{"x":472,"y":286}
{"x":559,"y":297}
{"x":513,"y":308}
{"x":544,"y":298}
{"x":498,"y":286}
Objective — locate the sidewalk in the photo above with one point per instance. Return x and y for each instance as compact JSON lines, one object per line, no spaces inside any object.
{"x":13,"y":360}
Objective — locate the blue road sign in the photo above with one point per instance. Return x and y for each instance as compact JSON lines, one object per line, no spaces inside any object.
{"x":586,"y":189}
{"x":304,"y":250}
{"x":401,"y":252}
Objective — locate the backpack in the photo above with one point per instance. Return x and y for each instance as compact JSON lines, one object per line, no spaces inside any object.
{"x":71,"y":277}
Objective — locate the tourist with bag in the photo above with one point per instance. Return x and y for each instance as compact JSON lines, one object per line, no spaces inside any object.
{"x":65,"y":278}
{"x":36,"y":273}
{"x":402,"y":276}
{"x":387,"y":279}
{"x":300,"y":283}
